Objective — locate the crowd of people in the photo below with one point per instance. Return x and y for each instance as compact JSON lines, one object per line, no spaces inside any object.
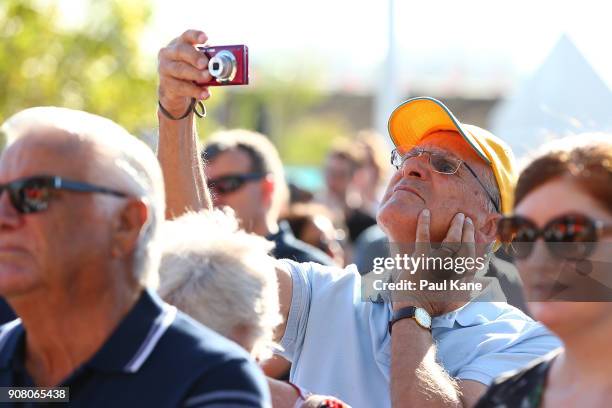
{"x":195,"y":276}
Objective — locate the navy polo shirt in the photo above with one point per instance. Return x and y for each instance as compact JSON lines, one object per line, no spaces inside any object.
{"x":157,"y":357}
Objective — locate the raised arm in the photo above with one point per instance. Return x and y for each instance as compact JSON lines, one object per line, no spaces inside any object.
{"x":180,"y":64}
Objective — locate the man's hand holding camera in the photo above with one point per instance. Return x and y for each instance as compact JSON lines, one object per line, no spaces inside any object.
{"x":187,"y":68}
{"x":181,"y":68}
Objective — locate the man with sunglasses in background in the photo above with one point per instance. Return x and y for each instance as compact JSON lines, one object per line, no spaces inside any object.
{"x":81,"y":202}
{"x":451,"y":184}
{"x":244,"y":172}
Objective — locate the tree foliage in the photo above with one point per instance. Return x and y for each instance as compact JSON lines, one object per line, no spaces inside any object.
{"x":96,"y":66}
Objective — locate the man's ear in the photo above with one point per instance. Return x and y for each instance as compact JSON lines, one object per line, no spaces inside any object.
{"x":131,"y":219}
{"x":267,"y":186}
{"x":488,"y":230}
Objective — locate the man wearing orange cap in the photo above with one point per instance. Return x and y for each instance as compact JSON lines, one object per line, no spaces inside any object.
{"x":452,"y":184}
{"x":420,"y":349}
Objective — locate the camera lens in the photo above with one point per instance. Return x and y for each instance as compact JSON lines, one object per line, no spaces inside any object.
{"x":223,"y":66}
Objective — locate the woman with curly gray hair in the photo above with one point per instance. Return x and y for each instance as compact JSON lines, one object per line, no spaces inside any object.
{"x":223,"y":277}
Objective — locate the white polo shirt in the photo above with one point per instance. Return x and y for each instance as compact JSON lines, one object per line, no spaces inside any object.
{"x":339,"y":344}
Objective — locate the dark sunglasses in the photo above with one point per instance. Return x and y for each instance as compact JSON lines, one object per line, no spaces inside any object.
{"x":33,"y":194}
{"x":230,"y":183}
{"x":440,"y":163}
{"x":570,"y":236}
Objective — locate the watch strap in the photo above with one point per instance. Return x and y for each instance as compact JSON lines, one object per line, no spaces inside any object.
{"x":403,"y":313}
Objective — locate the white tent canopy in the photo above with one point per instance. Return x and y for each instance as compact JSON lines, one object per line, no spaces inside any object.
{"x":564,"y":96}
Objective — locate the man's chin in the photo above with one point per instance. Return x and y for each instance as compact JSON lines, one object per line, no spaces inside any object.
{"x":15,"y":281}
{"x":396,"y":216}
{"x":398,"y":222}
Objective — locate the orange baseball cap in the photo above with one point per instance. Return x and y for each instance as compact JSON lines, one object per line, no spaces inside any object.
{"x":418,"y":117}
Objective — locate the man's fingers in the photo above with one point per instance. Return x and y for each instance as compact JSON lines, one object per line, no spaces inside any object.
{"x":182,"y":70}
{"x":422,"y":245}
{"x":455,"y":230}
{"x":194,"y":37}
{"x":176,"y":88}
{"x":452,"y":241}
{"x":183,"y":52}
{"x":468,"y":231}
{"x":206,"y":92}
{"x":468,"y":239}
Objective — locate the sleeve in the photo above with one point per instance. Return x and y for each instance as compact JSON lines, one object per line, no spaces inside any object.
{"x":237,"y":383}
{"x":293,"y":337}
{"x":531,"y":345}
{"x":313,"y":283}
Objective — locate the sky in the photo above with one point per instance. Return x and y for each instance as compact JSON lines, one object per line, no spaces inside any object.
{"x":467,"y":46}
{"x":485,"y":43}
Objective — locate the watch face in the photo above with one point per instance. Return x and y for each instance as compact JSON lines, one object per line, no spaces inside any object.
{"x":422,"y":318}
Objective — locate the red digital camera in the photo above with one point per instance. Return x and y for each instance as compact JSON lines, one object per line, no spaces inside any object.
{"x":228,"y":64}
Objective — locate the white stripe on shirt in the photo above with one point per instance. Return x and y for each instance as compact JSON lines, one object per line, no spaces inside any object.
{"x":162,"y":322}
{"x":6,"y":329}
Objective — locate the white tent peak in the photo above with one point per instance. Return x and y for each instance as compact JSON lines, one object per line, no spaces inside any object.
{"x":563,"y":96}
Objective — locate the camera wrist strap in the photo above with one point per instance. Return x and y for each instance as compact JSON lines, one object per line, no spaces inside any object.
{"x":193,"y":107}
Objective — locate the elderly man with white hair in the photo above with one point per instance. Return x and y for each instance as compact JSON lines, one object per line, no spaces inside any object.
{"x":81,"y":201}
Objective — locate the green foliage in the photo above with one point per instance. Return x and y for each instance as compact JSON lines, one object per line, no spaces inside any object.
{"x":96,"y":66}
{"x":307,"y":141}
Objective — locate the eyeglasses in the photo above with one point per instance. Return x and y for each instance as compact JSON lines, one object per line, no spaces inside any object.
{"x":230,"y":183}
{"x":33,"y":194}
{"x":570,"y":236}
{"x":440,"y":163}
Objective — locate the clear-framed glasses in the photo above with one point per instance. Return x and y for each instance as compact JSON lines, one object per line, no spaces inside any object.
{"x":440,"y":163}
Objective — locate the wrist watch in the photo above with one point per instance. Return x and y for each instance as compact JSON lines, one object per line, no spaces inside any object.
{"x":419,"y":314}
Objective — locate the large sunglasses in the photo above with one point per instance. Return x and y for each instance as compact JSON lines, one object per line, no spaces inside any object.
{"x":230,"y":183}
{"x":440,"y":163}
{"x":570,"y":236}
{"x":33,"y":194}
